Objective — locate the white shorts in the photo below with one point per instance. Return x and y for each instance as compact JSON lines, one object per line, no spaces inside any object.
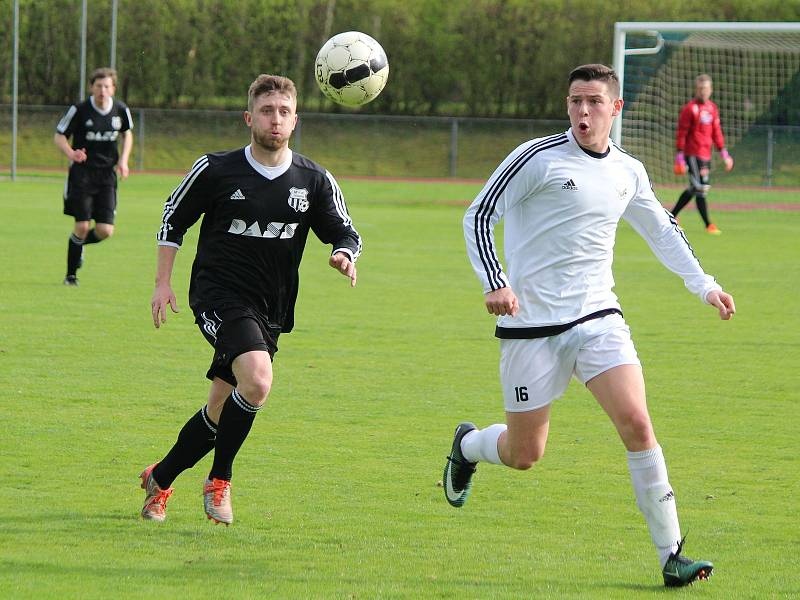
{"x":535,"y":372}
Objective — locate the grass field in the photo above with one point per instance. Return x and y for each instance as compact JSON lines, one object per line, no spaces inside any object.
{"x":335,"y":491}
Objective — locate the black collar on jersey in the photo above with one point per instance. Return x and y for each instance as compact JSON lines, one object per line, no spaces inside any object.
{"x":596,"y":154}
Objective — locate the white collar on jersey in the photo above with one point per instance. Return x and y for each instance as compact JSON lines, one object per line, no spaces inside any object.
{"x":102,"y":111}
{"x":268,"y":172}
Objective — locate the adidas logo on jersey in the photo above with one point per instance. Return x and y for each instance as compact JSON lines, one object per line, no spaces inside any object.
{"x":237,"y":195}
{"x":569,"y":185}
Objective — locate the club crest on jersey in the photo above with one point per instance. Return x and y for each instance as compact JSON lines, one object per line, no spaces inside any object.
{"x":298,"y":199}
{"x":116,"y":123}
{"x":622,"y":191}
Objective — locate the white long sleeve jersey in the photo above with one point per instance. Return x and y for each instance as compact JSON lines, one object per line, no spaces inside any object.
{"x":561,"y":206}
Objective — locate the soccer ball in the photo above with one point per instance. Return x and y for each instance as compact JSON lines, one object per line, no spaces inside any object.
{"x":351,"y":68}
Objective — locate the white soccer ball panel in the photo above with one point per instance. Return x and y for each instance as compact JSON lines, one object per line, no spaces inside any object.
{"x":354,"y":96}
{"x":374,"y":85}
{"x":359,"y":51}
{"x":337,"y":58}
{"x":347,"y":37}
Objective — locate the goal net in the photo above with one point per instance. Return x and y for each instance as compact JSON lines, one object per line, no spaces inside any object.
{"x":755,"y":68}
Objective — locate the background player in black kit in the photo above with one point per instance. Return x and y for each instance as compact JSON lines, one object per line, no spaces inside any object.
{"x":258,"y":204}
{"x":94,"y":125}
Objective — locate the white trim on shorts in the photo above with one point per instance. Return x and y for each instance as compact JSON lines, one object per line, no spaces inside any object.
{"x":535,"y":372}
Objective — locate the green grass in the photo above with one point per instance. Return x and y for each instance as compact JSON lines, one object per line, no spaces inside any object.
{"x":336,"y":490}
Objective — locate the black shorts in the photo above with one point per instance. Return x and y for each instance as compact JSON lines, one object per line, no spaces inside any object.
{"x":699,"y":172}
{"x":233,"y":331}
{"x":91,"y":194}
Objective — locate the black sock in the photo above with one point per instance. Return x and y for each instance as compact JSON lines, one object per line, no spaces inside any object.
{"x":685,"y":198}
{"x":74,"y":253}
{"x":234,"y":424}
{"x":195,"y":440}
{"x":700,"y":201}
{"x":91,"y":237}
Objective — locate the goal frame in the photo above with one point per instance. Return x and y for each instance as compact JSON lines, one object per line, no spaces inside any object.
{"x":623,"y":28}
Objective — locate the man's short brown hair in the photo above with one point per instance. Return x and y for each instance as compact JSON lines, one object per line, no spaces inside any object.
{"x":102,"y":73}
{"x":597,"y":72}
{"x":265,"y":84}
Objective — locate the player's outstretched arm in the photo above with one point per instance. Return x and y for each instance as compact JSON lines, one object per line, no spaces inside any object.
{"x":342,"y":263}
{"x":723,"y":302}
{"x":163,"y":294}
{"x":502,"y":301}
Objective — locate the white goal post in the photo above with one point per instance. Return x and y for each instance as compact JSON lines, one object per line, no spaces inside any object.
{"x":755,"y":68}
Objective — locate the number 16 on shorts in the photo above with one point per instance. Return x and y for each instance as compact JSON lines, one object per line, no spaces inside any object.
{"x":521,"y":393}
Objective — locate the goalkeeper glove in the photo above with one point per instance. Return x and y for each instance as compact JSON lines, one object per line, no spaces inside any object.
{"x":680,"y":164}
{"x":727,"y":159}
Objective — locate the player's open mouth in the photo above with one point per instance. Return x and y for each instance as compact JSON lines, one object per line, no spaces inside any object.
{"x":583,"y":127}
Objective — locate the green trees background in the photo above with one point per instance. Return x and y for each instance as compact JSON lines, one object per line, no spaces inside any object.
{"x":458,"y":57}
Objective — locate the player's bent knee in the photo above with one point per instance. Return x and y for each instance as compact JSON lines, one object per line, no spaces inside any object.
{"x":256,"y":390}
{"x":636,"y":431}
{"x":81,"y":229}
{"x":104,"y":232}
{"x":525,"y":460}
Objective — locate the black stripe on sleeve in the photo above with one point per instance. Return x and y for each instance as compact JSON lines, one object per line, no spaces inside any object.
{"x":486,"y":252}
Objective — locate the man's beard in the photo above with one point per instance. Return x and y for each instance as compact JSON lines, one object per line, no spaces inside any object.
{"x":267,"y":142}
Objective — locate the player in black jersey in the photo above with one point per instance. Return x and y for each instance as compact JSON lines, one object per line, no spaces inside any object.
{"x":258,"y":204}
{"x":94,"y":125}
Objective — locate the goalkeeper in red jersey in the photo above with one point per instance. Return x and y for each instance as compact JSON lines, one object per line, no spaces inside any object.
{"x":698,"y":128}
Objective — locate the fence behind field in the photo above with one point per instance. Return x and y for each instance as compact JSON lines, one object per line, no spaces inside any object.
{"x":370,"y":145}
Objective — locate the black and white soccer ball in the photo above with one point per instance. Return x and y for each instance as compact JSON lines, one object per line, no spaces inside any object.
{"x":351,"y":68}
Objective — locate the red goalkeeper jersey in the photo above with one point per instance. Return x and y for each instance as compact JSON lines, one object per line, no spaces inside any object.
{"x":698,"y":128}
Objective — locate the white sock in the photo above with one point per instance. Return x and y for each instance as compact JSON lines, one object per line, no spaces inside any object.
{"x":481,"y":445}
{"x":656,"y":500}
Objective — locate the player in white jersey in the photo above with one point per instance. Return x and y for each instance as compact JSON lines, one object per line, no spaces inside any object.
{"x":561,"y":198}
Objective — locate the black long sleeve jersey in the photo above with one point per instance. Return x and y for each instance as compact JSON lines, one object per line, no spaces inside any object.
{"x":254,"y":229}
{"x":96,"y":131}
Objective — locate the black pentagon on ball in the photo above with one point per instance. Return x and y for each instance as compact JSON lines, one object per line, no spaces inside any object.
{"x":340,"y":79}
{"x":377,"y":63}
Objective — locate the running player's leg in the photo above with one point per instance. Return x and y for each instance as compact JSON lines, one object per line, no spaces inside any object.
{"x":518,"y":444}
{"x":196,"y":438}
{"x":619,"y":388}
{"x":75,"y":251}
{"x":683,"y":200}
{"x":253,"y":371}
{"x":104,"y":210}
{"x":610,"y":368}
{"x":620,"y":391}
{"x":77,"y":203}
{"x":533,"y":373}
{"x":523,"y":444}
{"x":691,"y":190}
{"x":704,"y":170}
